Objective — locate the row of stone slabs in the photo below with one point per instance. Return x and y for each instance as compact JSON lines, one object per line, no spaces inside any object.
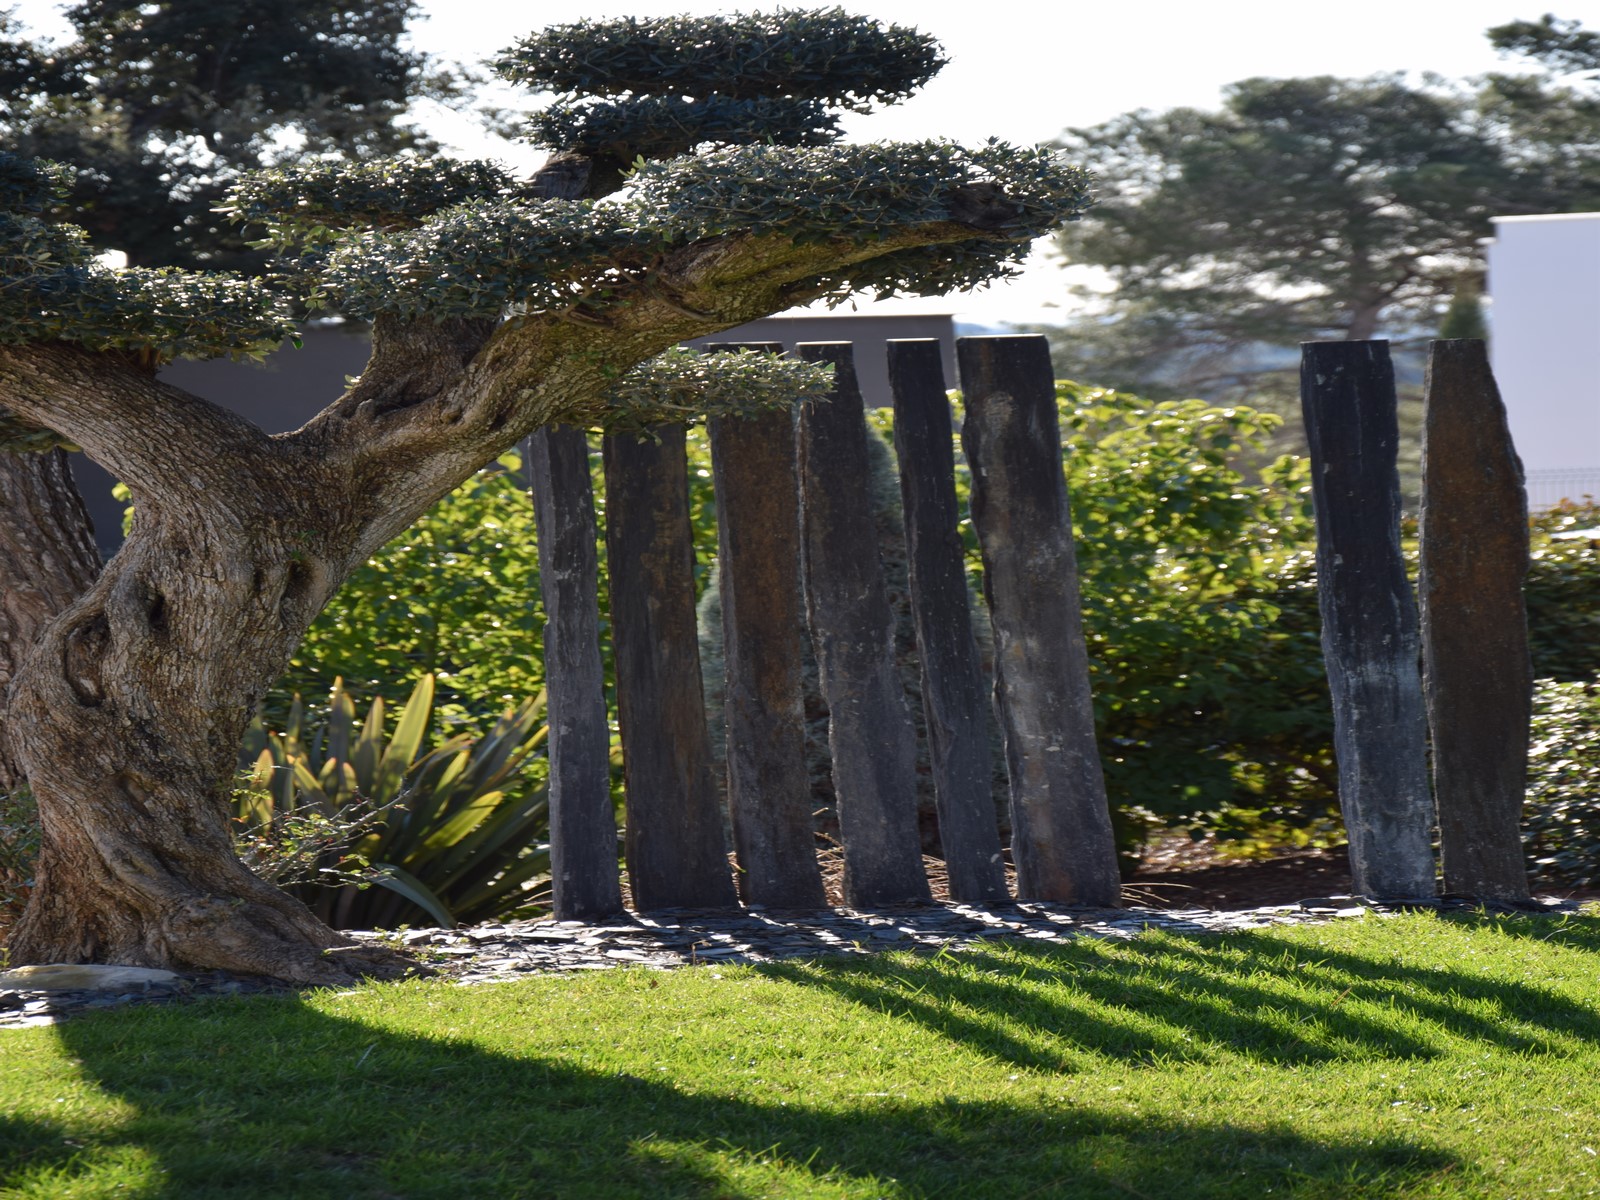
{"x":496,"y":953}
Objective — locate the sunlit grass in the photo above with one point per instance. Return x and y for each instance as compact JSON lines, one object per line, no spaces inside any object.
{"x":1403,"y":1057}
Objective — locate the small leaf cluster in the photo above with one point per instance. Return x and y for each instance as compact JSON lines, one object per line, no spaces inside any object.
{"x":864,"y":193}
{"x":163,"y":314}
{"x":30,"y":185}
{"x":51,"y":289}
{"x":305,"y":204}
{"x":684,"y":385}
{"x":478,"y":260}
{"x":826,"y":54}
{"x":659,"y":127}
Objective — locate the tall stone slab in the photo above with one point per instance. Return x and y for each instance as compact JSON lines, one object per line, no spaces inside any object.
{"x":1477,"y":674}
{"x":677,"y":856}
{"x":754,"y":471}
{"x":953,"y":698}
{"x":1369,"y":618}
{"x":1061,"y":837}
{"x":583,"y":827}
{"x":852,"y":635}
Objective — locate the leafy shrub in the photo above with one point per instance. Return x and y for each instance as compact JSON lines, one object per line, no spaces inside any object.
{"x":450,"y":834}
{"x":1209,"y":692}
{"x":455,"y":596}
{"x":1561,"y":821}
{"x":1563,"y":593}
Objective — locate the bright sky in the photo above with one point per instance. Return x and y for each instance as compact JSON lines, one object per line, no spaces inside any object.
{"x":1025,"y":73}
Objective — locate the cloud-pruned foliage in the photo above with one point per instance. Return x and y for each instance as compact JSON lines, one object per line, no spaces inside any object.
{"x":666,"y":126}
{"x":476,"y":260}
{"x":684,"y":385}
{"x":52,"y":289}
{"x":829,"y":55}
{"x":307,"y":204}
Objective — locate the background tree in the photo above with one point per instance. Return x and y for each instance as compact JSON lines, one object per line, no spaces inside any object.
{"x":159,"y":107}
{"x":495,"y":309}
{"x":1313,"y":208}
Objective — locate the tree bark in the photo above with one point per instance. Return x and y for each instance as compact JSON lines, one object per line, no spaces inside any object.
{"x":48,"y":559}
{"x":127,"y":717}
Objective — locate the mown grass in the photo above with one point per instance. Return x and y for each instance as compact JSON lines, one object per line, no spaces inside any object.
{"x":1416,"y":1056}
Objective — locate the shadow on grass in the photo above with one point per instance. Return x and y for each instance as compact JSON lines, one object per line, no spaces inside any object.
{"x":273,"y":1098}
{"x":1166,"y":999}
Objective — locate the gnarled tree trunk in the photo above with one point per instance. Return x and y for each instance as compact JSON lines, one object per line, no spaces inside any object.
{"x":127,"y":717}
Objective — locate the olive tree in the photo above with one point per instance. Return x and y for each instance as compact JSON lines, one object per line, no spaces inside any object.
{"x":498,"y":304}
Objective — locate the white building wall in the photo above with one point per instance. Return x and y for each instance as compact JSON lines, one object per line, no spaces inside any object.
{"x":1544,"y":285}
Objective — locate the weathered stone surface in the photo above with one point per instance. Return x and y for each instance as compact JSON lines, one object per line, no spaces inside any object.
{"x":758,"y":533}
{"x":583,"y":827}
{"x":1478,"y":678}
{"x":852,"y":634}
{"x":1061,"y":836}
{"x":954,"y":706}
{"x":1369,"y":618}
{"x":84,"y":977}
{"x":677,"y":855}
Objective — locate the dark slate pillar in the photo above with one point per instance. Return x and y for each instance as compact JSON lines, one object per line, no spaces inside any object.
{"x":1478,"y":677}
{"x":677,"y":857}
{"x":952,"y":683}
{"x":1369,"y":620}
{"x":583,"y":828}
{"x":758,"y":537}
{"x":1061,"y":839}
{"x":852,"y":634}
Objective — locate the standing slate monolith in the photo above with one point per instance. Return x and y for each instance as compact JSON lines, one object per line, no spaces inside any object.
{"x":852,"y":635}
{"x":953,"y":698}
{"x":758,"y":537}
{"x":1061,"y":837}
{"x":677,"y":856}
{"x":583,"y":826}
{"x":1369,"y":618}
{"x":1477,"y":674}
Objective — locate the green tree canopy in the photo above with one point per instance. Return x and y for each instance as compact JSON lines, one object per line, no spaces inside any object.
{"x":1316,"y":208}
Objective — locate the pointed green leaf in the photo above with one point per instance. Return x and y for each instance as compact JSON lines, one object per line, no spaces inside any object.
{"x":396,"y":879}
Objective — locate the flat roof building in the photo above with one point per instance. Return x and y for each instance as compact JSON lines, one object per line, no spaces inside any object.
{"x":1544,"y":344}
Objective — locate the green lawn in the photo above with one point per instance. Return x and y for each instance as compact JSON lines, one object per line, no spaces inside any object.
{"x":1404,"y":1057}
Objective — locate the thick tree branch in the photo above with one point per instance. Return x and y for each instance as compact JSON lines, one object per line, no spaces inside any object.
{"x":422,"y":419}
{"x":153,"y":436}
